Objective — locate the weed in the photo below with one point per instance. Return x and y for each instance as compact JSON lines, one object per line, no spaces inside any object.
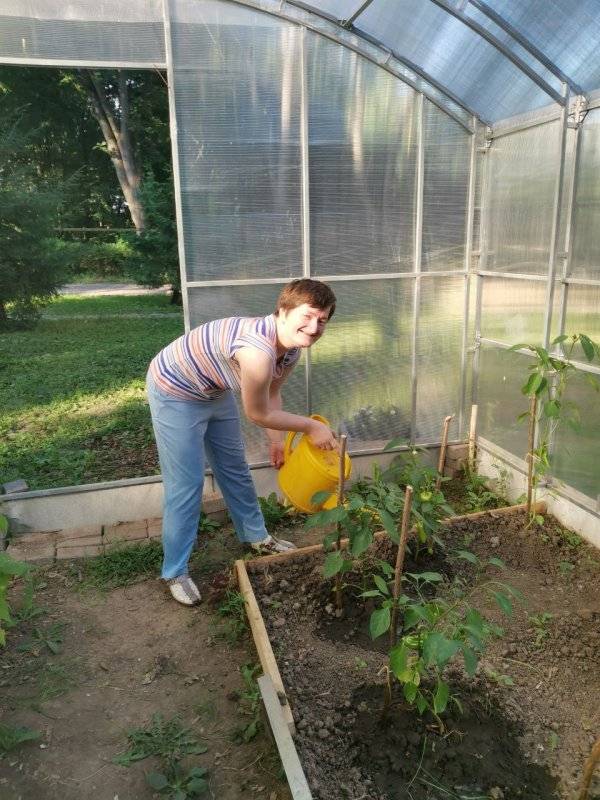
{"x":540,"y":624}
{"x":208,"y":525}
{"x":167,"y":739}
{"x":572,"y":540}
{"x":207,"y":709}
{"x":233,"y":613}
{"x":177,"y":784}
{"x":566,"y":568}
{"x":249,"y":704}
{"x":478,"y":497}
{"x":274,"y":512}
{"x":360,"y":663}
{"x":50,"y":638}
{"x":121,"y":565}
{"x":498,"y":678}
{"x":54,"y":680}
{"x":10,"y":569}
{"x":12,"y":736}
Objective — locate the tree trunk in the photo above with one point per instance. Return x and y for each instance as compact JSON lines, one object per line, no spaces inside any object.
{"x":118,"y":141}
{"x":175,"y":296}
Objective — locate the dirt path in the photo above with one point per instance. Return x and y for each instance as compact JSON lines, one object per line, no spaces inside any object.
{"x":99,"y":289}
{"x":124,"y":656}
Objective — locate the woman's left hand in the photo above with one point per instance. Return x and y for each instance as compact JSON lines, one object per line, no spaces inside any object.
{"x":276,"y":454}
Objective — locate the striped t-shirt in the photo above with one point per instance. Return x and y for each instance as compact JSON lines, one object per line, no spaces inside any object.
{"x":201,"y":364}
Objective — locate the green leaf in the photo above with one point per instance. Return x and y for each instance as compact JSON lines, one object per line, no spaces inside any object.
{"x":532,"y":386}
{"x":410,"y":692}
{"x":319,"y":498}
{"x":157,"y":780}
{"x":422,"y":703}
{"x":360,"y":541}
{"x":588,"y":346}
{"x":496,"y":562}
{"x":438,"y":650}
{"x":393,"y":443}
{"x":552,"y":409}
{"x":504,"y":603}
{"x":440,"y":698}
{"x":381,"y":584}
{"x":559,"y":339}
{"x":333,"y":563}
{"x":471,"y":659}
{"x":380,"y":622}
{"x":399,"y":662}
{"x":466,"y":555}
{"x":426,"y":577}
{"x":390,"y":526}
{"x":197,"y":786}
{"x":415,"y":613}
{"x":330,"y":539}
{"x":8,"y":566}
{"x":4,"y":610}
{"x":371,"y":593}
{"x":3,"y":525}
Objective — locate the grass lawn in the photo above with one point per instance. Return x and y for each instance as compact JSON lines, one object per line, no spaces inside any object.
{"x":73,"y":407}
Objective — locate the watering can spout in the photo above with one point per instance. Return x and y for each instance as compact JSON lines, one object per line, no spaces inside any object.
{"x":307,"y":470}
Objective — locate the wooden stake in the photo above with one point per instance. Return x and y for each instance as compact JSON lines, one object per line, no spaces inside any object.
{"x":530,"y":447}
{"x":588,"y":771}
{"x":400,"y":560}
{"x":341,"y":484}
{"x":472,"y":437}
{"x":443,"y":448}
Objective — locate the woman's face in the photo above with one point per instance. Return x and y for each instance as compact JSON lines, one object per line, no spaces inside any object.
{"x":302,"y":326}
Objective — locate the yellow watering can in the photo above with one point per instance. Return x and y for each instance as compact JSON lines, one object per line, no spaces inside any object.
{"x":307,"y":470}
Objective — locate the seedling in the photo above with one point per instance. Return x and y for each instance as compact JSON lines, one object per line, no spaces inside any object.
{"x":12,"y":736}
{"x":121,"y":565}
{"x":540,"y":624}
{"x":499,"y":678}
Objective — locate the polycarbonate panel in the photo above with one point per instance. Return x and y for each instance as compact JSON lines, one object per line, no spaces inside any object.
{"x":575,"y":459}
{"x":218,"y":302}
{"x":512,"y":310}
{"x":502,"y":373}
{"x":519,"y":207}
{"x":237,"y":97}
{"x":585,"y":259}
{"x":583,"y":316}
{"x":566,"y":32}
{"x":447,"y":154}
{"x":362,"y":164}
{"x":360,"y":369}
{"x":439,"y":348}
{"x":453,"y":54}
{"x":110,"y":31}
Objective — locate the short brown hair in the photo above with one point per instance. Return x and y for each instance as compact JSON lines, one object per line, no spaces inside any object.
{"x":306,"y":290}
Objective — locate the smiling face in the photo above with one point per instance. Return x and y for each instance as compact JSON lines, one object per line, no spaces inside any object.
{"x":301,"y":326}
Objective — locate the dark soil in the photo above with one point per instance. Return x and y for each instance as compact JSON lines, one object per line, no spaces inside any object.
{"x":531,"y":714}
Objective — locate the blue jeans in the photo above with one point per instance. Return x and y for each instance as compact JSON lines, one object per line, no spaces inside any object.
{"x":186,"y":431}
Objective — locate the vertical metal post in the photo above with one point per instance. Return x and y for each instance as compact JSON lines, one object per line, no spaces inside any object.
{"x":305,"y":189}
{"x":486,"y":156}
{"x":418,"y":254}
{"x":175,"y":157}
{"x":558,"y":188}
{"x":568,"y":243}
{"x":467,"y":281}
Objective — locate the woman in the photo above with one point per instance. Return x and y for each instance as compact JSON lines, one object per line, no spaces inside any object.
{"x":194,"y":414}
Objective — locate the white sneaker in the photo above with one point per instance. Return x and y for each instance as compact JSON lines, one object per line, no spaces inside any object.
{"x":272,"y":545}
{"x":184,"y":590}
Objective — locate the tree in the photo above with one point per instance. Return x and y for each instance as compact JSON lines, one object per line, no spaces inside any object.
{"x":30,"y":261}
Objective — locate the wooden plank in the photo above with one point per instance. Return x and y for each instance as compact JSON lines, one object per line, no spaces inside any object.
{"x":261,"y":640}
{"x":261,"y":562}
{"x":283,"y":739}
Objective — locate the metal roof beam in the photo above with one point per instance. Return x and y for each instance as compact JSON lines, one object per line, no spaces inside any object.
{"x":347,"y":23}
{"x":525,"y":43}
{"x":502,"y":48}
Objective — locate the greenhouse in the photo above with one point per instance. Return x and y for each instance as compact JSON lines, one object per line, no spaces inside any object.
{"x":437,"y":164}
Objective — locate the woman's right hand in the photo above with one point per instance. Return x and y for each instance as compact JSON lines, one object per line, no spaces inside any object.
{"x":322,"y":436}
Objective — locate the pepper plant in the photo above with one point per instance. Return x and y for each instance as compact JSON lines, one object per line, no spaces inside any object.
{"x":9,"y":569}
{"x":434,"y":631}
{"x":549,"y":408}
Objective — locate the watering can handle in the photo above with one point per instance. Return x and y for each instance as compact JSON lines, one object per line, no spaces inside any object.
{"x":291,"y":435}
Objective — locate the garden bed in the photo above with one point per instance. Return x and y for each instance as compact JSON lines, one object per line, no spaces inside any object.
{"x":530,"y":714}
